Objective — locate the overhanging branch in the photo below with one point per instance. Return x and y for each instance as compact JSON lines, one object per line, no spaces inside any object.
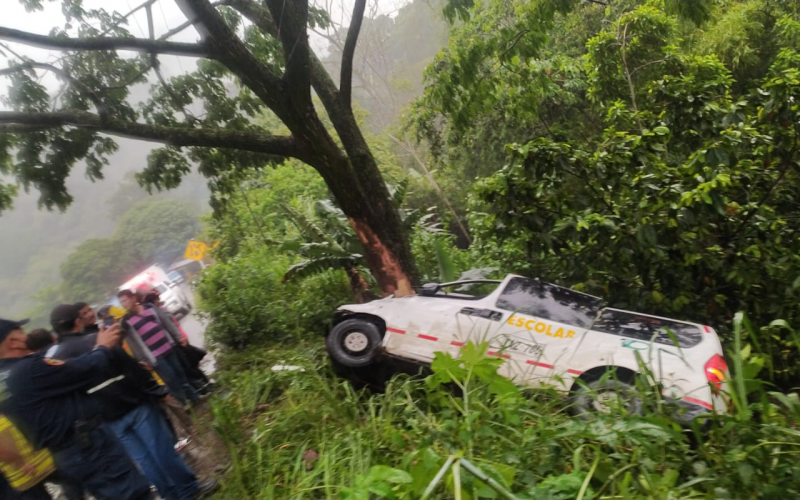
{"x":63,"y":76}
{"x":292,"y":23}
{"x":20,"y":122}
{"x":232,"y":53}
{"x":256,"y":14}
{"x":63,"y":43}
{"x":346,"y":78}
{"x":177,"y":29}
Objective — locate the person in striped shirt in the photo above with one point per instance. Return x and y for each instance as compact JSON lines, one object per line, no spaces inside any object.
{"x":161,"y":337}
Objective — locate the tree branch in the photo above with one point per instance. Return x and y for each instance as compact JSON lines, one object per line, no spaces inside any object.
{"x":177,"y":29}
{"x":17,"y":122}
{"x":629,"y":77}
{"x":429,"y":176}
{"x":346,"y":75}
{"x":292,"y":24}
{"x":231,"y":52}
{"x":63,"y":76}
{"x":256,"y":14}
{"x":119,"y":21}
{"x":64,"y":43}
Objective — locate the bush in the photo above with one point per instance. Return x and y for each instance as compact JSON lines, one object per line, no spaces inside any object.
{"x":309,"y":435}
{"x":437,"y":257}
{"x":249,"y":304}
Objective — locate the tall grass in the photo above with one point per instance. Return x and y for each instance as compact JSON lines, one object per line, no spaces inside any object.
{"x":309,"y":435}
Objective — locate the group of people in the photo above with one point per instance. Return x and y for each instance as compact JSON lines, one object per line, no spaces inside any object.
{"x":83,"y":406}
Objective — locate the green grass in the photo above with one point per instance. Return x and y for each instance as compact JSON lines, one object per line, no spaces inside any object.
{"x":391,"y":445}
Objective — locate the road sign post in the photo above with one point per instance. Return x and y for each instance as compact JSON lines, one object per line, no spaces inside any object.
{"x":195,"y":250}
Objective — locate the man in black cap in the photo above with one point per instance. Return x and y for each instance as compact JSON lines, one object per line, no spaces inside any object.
{"x":18,"y":478}
{"x":47,"y":400}
{"x":24,"y":469}
{"x":72,"y":342}
{"x":129,"y":406}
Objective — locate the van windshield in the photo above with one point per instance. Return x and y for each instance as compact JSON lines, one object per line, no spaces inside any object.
{"x":647,"y":328}
{"x":546,"y":301}
{"x":161,"y":288}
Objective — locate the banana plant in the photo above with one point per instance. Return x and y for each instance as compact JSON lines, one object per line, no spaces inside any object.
{"x":328,"y":242}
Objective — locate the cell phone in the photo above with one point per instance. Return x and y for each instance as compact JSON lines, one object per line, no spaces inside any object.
{"x":109,"y":321}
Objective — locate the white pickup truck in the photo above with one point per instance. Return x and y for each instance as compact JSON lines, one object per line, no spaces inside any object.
{"x":546,"y":334}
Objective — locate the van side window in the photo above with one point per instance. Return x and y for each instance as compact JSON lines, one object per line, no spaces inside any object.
{"x":645,"y":328}
{"x":546,"y":301}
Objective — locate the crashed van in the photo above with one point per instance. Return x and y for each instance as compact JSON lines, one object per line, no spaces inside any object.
{"x":545,"y":334}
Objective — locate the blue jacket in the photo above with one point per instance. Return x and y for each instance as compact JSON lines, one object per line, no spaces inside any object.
{"x":44,"y":398}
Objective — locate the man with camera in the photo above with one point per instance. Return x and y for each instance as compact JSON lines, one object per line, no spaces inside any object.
{"x":129,"y":404}
{"x":47,"y":400}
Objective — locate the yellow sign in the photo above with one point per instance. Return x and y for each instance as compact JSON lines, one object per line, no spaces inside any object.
{"x":195,"y":250}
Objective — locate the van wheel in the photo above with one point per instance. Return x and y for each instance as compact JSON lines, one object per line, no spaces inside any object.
{"x":605,"y":395}
{"x":354,"y":343}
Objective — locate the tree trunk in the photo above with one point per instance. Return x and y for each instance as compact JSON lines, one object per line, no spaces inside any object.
{"x":357,"y":184}
{"x":359,"y":286}
{"x":377,"y":224}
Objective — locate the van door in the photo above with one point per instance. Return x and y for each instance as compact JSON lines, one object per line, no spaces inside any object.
{"x":664,"y":345}
{"x":544,"y":326}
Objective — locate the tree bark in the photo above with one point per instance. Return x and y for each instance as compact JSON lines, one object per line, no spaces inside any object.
{"x":362,"y":194}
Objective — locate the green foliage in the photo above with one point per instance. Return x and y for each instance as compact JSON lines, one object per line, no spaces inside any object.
{"x":157,"y":231}
{"x":650,"y":171}
{"x":327,"y":241}
{"x":394,"y":444}
{"x":151,"y":232}
{"x":391,"y":56}
{"x":249,"y":303}
{"x":438,"y":259}
{"x":95,"y":269}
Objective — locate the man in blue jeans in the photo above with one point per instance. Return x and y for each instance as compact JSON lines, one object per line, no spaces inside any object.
{"x":128,"y":401}
{"x":163,"y":340}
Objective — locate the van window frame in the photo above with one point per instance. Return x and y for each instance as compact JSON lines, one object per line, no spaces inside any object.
{"x":596,"y":303}
{"x":684,"y":341}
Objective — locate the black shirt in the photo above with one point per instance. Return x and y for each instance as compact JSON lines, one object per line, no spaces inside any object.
{"x":72,"y":345}
{"x":129,"y":385}
{"x":44,"y":398}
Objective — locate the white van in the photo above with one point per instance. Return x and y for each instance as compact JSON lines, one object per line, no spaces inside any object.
{"x":546,"y":334}
{"x":173,"y":299}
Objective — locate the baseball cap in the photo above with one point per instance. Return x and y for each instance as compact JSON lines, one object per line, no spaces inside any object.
{"x":64,"y":315}
{"x":7,"y":326}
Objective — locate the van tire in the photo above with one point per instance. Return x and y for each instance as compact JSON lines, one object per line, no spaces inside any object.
{"x":595,"y":395}
{"x":354,"y":343}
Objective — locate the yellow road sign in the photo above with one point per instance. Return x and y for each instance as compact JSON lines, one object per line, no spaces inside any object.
{"x":195,"y":250}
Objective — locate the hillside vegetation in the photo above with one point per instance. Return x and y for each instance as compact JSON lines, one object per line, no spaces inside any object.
{"x":646,"y":152}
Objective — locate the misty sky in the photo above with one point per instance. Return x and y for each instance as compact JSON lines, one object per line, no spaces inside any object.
{"x":32,"y":230}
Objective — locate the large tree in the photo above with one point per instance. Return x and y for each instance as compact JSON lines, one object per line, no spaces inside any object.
{"x":261,"y":46}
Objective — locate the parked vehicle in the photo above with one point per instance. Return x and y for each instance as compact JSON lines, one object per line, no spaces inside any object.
{"x":146,"y":279}
{"x":173,"y":299}
{"x":546,"y":334}
{"x":154,"y":278}
{"x":176,"y":277}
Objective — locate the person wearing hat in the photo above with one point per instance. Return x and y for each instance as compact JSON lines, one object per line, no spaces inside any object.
{"x":47,"y":400}
{"x":23,"y":469}
{"x":128,"y":401}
